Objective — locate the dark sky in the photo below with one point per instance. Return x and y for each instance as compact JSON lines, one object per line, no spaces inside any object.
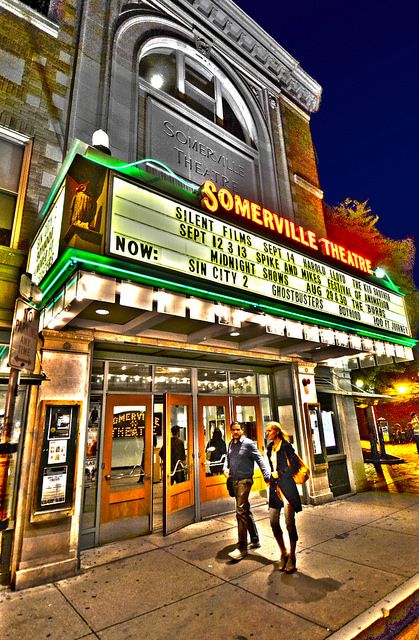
{"x":365,"y":55}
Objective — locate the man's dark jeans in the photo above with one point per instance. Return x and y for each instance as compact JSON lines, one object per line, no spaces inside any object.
{"x":245,"y":521}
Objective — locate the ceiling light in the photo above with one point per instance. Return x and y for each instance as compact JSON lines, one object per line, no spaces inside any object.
{"x":102,"y":312}
{"x":234,"y":334}
{"x":157,"y":81}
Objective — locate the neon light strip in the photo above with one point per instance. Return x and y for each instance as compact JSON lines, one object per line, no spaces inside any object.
{"x":74,"y":257}
{"x":161,"y":164}
{"x":117,"y":165}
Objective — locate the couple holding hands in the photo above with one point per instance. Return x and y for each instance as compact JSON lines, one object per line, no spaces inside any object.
{"x":283,"y":493}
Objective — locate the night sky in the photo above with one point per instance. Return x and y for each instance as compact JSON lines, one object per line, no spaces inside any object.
{"x":365,"y":55}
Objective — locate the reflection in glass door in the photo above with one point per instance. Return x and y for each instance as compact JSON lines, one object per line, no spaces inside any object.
{"x":247,"y":412}
{"x":178,"y":456}
{"x":213,"y":424}
{"x":126,"y":476}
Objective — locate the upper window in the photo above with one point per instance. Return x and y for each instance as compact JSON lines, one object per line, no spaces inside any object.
{"x":181,"y":72}
{"x":42,"y":6}
{"x":13,"y":155}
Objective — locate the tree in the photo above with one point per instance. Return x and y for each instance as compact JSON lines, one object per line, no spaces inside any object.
{"x":355,"y":221}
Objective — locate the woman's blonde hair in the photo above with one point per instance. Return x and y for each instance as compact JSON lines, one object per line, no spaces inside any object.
{"x":282,"y":435}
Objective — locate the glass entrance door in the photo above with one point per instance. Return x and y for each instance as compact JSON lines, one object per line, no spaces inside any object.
{"x":127,"y":468}
{"x":213,"y":426}
{"x":247,"y":412}
{"x":178,"y":469}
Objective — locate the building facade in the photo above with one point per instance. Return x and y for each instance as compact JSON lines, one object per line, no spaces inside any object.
{"x":186,"y":274}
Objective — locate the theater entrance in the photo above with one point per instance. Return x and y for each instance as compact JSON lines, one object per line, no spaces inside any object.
{"x":213,"y":438}
{"x":214,"y":417}
{"x":178,"y":463}
{"x":126,"y":491}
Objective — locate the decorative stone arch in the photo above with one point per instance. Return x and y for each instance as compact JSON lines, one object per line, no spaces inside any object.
{"x":123,"y":113}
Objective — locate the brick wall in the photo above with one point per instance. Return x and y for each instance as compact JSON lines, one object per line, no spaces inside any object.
{"x":35,"y":80}
{"x":308,"y":207}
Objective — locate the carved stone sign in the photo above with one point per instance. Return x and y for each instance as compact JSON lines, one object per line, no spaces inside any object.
{"x":196,"y":154}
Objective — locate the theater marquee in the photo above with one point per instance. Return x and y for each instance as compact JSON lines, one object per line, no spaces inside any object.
{"x":152,"y":229}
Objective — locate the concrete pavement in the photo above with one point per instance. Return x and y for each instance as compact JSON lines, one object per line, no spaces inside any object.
{"x":357,"y":557}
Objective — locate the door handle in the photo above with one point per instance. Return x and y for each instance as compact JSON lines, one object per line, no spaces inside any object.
{"x":108,"y":476}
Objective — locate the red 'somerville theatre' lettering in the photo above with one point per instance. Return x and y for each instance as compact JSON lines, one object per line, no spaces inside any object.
{"x":213,"y":198}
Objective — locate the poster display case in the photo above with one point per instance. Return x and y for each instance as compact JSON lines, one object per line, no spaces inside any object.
{"x":316,"y":435}
{"x":57,"y":458}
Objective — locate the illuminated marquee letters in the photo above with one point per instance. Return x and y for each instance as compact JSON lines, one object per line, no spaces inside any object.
{"x":213,"y":198}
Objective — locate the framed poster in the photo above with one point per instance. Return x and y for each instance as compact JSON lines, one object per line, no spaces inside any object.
{"x":316,"y":435}
{"x":58,"y":457}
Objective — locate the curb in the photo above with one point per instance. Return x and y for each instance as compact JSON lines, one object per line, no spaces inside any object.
{"x":380,"y":611}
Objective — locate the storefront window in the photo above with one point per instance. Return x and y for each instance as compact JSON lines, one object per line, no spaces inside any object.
{"x":242,"y":382}
{"x":266,"y":407}
{"x":246,"y":415}
{"x":128,"y":376}
{"x":96,"y":379}
{"x":172,"y":379}
{"x":264,"y":384}
{"x":286,"y":418}
{"x":91,"y":463}
{"x":210,"y":381}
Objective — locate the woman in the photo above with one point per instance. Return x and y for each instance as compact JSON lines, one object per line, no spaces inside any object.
{"x":217,"y":450}
{"x":283,"y":492}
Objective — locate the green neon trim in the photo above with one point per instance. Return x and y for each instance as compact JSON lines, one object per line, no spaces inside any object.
{"x":90,"y":153}
{"x":72,"y":258}
{"x":3,"y":349}
{"x":161,"y":164}
{"x":117,"y":165}
{"x":58,"y":275}
{"x":387,"y":281}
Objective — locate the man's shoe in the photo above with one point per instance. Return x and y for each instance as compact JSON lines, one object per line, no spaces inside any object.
{"x":237,"y":554}
{"x":291,"y":565}
{"x":255,"y":544}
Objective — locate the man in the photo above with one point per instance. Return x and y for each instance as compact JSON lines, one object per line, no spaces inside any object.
{"x":177,"y":453}
{"x":239,"y":466}
{"x":414,"y":423}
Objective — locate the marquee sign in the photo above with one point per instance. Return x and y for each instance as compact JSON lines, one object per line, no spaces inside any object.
{"x":152,"y":229}
{"x":213,"y":199}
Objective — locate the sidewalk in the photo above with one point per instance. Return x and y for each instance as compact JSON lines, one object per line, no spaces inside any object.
{"x":356,"y":557}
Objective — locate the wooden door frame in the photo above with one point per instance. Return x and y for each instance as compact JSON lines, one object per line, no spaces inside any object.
{"x":206,"y":482}
{"x":252,"y":401}
{"x":136,"y":501}
{"x":174,"y":495}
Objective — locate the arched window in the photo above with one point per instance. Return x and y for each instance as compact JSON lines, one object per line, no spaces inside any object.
{"x":178,"y":70}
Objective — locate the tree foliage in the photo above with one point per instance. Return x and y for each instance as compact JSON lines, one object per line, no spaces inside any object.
{"x":353,"y":224}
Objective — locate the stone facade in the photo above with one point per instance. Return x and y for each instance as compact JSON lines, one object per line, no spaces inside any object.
{"x":75,"y":71}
